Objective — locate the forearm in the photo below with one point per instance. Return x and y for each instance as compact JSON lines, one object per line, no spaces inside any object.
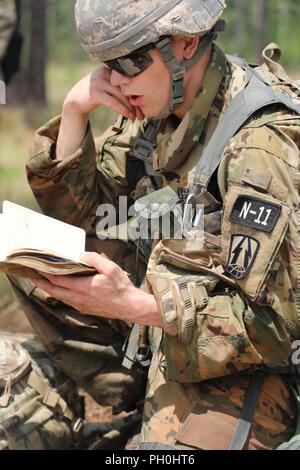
{"x":72,"y":131}
{"x":145,"y":310}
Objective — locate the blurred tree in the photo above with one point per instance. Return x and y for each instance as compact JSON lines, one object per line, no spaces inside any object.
{"x":260,"y":26}
{"x":240,"y":24}
{"x":28,"y":86}
{"x":10,"y":61}
{"x":37,"y":57}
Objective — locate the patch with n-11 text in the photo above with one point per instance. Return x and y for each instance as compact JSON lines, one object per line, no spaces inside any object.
{"x":255,"y":213}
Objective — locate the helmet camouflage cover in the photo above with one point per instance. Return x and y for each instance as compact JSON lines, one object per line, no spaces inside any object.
{"x":108,"y":30}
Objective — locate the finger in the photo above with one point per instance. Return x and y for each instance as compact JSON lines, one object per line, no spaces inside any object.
{"x":57,"y":292}
{"x":81,"y":285}
{"x":116,"y":105}
{"x":140,"y":116}
{"x":102,"y":92}
{"x":116,"y":91}
{"x":101,"y":263}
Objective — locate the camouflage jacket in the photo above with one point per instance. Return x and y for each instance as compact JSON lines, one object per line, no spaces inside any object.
{"x":7,"y":23}
{"x":236,"y":325}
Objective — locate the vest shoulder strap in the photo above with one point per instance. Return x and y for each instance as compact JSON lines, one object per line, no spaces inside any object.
{"x":256,"y":95}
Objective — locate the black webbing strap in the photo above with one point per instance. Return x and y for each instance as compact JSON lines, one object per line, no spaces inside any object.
{"x":245,"y":420}
{"x":143,"y":149}
{"x":256,"y":95}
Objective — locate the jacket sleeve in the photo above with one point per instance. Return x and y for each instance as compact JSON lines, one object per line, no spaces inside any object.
{"x":214,"y":328}
{"x":72,"y":189}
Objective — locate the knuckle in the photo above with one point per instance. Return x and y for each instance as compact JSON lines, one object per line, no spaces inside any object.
{"x":96,"y":282}
{"x":113,"y":270}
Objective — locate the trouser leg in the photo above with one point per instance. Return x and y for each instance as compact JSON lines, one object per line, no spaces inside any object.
{"x":87,"y":348}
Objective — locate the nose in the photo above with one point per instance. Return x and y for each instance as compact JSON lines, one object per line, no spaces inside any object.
{"x":118,"y":79}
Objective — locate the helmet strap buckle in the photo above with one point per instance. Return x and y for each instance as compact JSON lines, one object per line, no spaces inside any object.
{"x":177,"y":72}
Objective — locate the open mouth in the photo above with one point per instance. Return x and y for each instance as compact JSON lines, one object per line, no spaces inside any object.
{"x":135,"y":100}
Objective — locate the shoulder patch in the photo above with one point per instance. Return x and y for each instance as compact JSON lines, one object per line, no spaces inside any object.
{"x":242,"y":253}
{"x":256,"y":213}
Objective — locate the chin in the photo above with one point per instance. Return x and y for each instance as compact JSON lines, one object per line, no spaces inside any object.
{"x":150,"y":111}
{"x":152,"y":114}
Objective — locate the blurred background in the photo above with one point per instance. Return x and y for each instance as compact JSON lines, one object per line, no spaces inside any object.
{"x":44,"y":60}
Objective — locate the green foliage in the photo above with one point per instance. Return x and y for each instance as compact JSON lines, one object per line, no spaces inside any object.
{"x":63,"y":43}
{"x":281,"y":26}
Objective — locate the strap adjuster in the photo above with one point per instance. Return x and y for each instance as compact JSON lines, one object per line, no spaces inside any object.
{"x":78,"y":426}
{"x":143,"y":150}
{"x":177,"y":89}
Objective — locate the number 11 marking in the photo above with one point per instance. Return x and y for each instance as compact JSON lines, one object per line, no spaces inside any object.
{"x":261,"y":212}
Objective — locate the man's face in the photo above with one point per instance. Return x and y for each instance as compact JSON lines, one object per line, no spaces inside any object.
{"x":150,"y":90}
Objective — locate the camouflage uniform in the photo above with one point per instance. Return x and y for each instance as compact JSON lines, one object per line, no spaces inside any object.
{"x":194,"y":395}
{"x":7,"y":23}
{"x":39,"y":406}
{"x":197,"y":382}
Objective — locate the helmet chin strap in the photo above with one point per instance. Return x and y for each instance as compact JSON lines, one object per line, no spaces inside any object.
{"x":177,"y":70}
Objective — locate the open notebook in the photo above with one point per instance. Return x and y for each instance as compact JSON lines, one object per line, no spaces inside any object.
{"x":32,"y":244}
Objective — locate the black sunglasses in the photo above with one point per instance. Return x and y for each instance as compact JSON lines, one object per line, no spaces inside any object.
{"x":134,"y":63}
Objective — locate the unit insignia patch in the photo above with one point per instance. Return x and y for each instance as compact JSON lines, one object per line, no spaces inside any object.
{"x":242,"y":254}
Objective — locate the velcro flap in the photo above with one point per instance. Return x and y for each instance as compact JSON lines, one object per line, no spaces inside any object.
{"x":51,"y":398}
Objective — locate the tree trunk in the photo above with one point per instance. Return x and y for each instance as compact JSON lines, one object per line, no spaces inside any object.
{"x":28,"y":86}
{"x":260,"y":26}
{"x":240,"y":26}
{"x":283,"y":17}
{"x":37,"y":58}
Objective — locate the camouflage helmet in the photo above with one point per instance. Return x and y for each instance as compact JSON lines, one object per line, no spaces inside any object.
{"x":111,"y":30}
{"x":108,"y":30}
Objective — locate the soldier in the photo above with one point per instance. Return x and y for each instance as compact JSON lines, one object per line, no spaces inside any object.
{"x":196,"y":127}
{"x":7,"y":23}
{"x":8,"y":19}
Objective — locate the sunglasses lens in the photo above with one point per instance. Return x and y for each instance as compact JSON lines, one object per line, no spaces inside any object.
{"x":114,"y":65}
{"x":131,"y":65}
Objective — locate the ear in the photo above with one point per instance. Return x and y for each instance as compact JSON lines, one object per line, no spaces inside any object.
{"x":190,"y":45}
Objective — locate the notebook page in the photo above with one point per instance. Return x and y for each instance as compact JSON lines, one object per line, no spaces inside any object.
{"x":25,"y":228}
